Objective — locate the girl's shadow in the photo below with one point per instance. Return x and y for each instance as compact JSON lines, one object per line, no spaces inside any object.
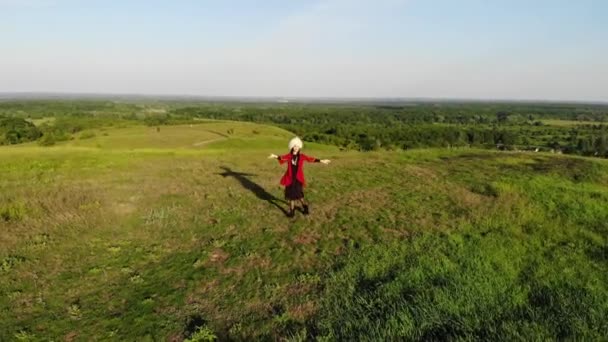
{"x":248,"y":184}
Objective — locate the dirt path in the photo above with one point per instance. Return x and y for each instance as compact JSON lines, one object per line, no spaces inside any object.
{"x":202,"y":143}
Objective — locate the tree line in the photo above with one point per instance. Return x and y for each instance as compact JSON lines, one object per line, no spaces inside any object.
{"x":363,"y":127}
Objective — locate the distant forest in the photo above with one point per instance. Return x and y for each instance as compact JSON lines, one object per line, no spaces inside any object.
{"x":581,"y":129}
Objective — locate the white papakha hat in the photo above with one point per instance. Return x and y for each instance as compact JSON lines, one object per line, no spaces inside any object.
{"x":295,"y":142}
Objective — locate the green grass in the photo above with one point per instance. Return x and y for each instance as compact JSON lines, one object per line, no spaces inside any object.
{"x":140,"y":234}
{"x":47,"y":120}
{"x":178,"y":136}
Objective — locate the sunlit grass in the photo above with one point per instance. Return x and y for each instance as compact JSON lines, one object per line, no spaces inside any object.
{"x":178,"y":136}
{"x":170,"y":241}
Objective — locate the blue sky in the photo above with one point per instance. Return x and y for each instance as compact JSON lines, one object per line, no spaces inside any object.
{"x":550,"y":50}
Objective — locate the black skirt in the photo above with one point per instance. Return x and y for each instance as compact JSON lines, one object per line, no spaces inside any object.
{"x":294,"y":191}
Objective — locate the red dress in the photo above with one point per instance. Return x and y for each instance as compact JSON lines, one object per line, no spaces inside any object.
{"x":294,"y":184}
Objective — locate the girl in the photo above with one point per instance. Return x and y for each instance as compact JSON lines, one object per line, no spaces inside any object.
{"x":293,"y":179}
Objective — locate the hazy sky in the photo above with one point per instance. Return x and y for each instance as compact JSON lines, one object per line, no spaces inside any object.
{"x":485,"y":49}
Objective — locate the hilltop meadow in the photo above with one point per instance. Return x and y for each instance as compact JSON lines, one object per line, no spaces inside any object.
{"x":165,"y":221}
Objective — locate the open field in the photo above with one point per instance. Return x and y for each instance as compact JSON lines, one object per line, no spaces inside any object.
{"x":136,"y":234}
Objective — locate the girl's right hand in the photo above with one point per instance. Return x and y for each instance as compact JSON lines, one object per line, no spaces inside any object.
{"x":273,"y":156}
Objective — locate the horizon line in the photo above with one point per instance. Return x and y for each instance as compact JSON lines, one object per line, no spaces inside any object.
{"x":44,"y":95}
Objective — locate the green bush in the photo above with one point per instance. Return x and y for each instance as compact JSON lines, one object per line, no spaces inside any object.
{"x":17,"y":130}
{"x":47,"y":140}
{"x":202,"y":334}
{"x":12,"y":211}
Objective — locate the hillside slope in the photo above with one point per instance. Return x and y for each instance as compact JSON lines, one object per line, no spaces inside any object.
{"x":159,"y":233}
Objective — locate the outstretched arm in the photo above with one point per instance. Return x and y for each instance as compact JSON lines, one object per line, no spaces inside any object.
{"x":315,"y":160}
{"x":281,"y":159}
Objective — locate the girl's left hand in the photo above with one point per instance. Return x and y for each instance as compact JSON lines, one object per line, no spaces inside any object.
{"x":325,"y":161}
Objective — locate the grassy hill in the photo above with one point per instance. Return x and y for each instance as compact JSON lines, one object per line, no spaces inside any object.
{"x":135,"y":233}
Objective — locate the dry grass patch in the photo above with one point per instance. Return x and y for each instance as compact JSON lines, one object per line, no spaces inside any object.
{"x":218,"y":256}
{"x":307,"y":238}
{"x":302,"y":312}
{"x":423,"y":174}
